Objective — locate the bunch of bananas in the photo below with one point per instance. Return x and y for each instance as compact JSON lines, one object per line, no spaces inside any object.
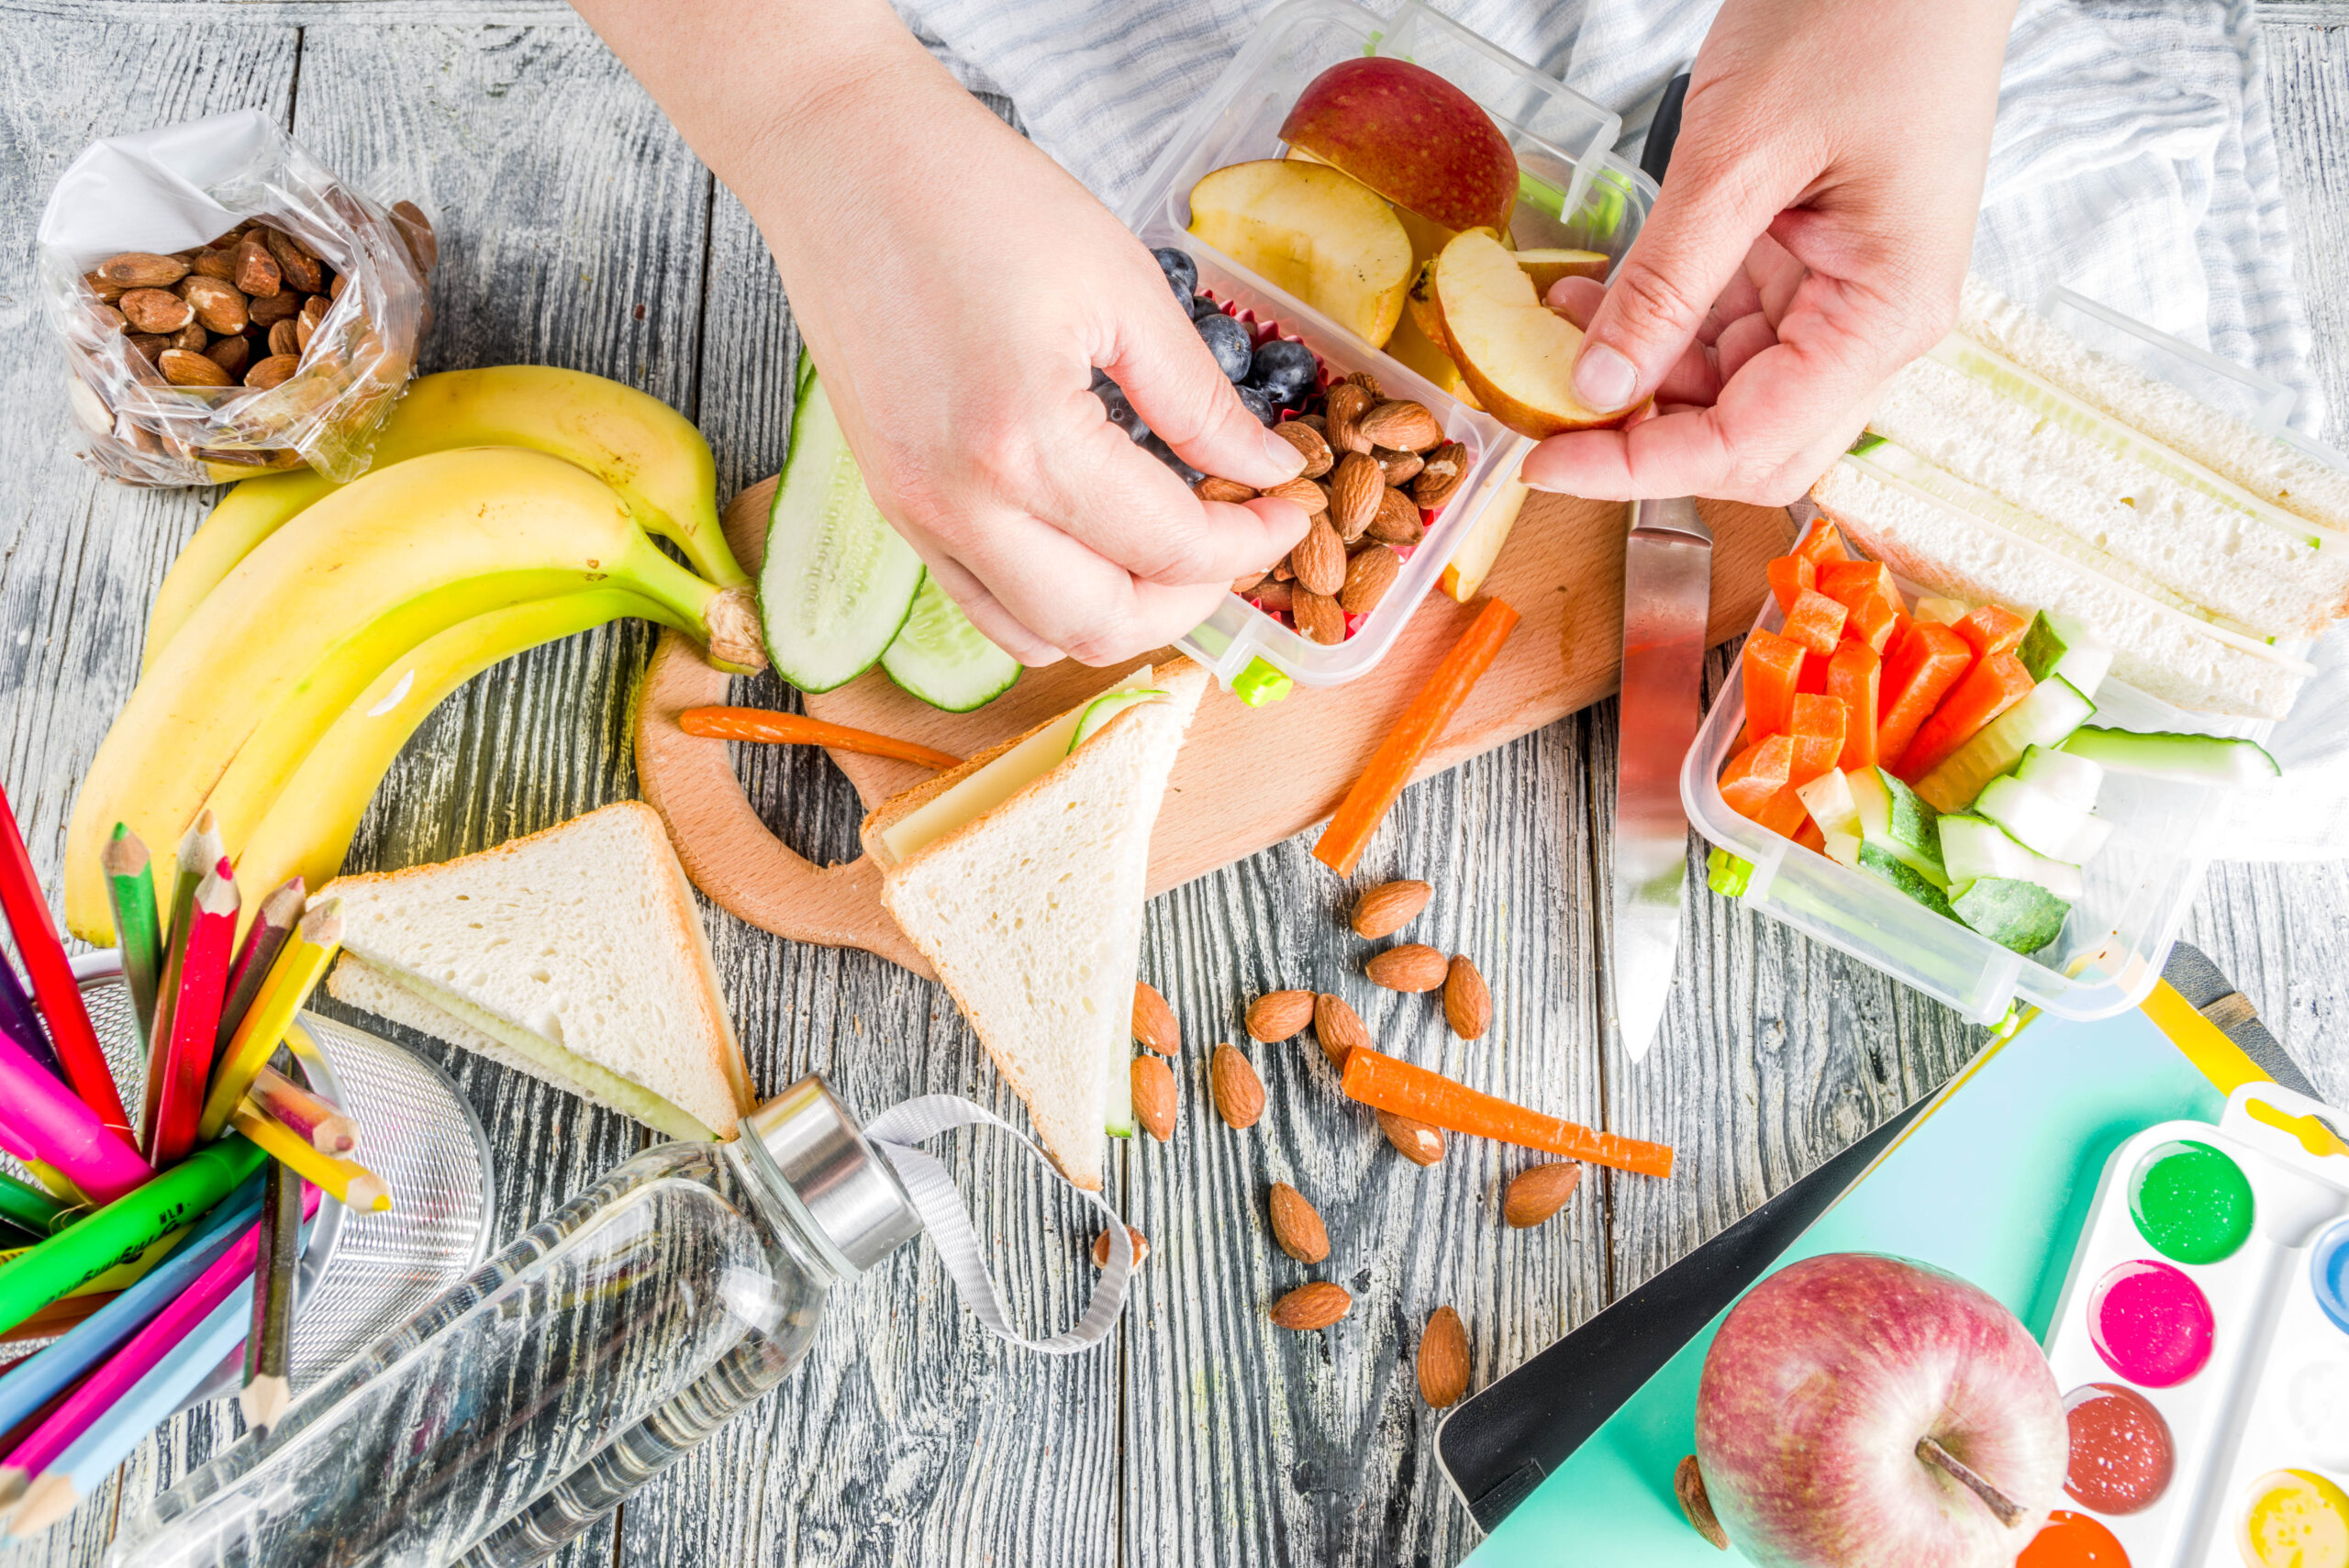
{"x":308,"y":626}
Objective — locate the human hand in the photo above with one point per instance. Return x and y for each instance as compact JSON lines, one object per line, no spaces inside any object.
{"x":1810,"y":240}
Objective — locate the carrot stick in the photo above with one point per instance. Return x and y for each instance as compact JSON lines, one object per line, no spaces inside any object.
{"x":1384,"y":1083}
{"x":797,"y":729}
{"x":1391,"y":766}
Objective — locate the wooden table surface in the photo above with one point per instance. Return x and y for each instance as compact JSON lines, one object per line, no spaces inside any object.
{"x":578,"y":230}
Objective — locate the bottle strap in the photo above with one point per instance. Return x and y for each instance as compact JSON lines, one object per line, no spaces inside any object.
{"x":940,"y":1203}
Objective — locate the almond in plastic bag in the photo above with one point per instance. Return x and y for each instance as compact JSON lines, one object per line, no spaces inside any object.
{"x":226,"y":306}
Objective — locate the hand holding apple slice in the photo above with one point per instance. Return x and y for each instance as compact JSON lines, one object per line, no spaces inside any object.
{"x":1515,"y":354}
{"x":1322,"y":235}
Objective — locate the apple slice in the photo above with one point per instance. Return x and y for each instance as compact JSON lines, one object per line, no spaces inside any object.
{"x":1321,"y":234}
{"x":1426,"y":313}
{"x":1466,"y":571}
{"x":1546,"y":267}
{"x":1410,"y":135}
{"x":1410,"y":346}
{"x":1515,"y":354}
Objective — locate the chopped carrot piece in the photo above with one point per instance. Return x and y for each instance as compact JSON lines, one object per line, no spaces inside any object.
{"x":1398,"y":757}
{"x":1810,"y":837}
{"x":1853,"y":676}
{"x":1822,"y":543}
{"x":1873,"y":623}
{"x":1991,"y":628}
{"x":1816,"y":622}
{"x":1992,"y":686}
{"x":1772,"y":665}
{"x":1374,"y":1079}
{"x":1783,"y":813}
{"x":1927,"y":660}
{"x":1757,"y":774}
{"x":792,"y":728}
{"x":1789,"y":575}
{"x":1818,"y":735}
{"x":1849,"y":581}
{"x":1813,"y":679}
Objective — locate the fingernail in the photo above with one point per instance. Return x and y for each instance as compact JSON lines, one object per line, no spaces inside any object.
{"x":1604,"y":379}
{"x":1285,"y":453}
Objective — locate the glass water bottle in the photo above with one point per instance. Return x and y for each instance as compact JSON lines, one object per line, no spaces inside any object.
{"x":563,"y":1373}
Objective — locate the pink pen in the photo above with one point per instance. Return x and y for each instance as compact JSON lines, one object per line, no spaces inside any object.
{"x":58,"y":1129}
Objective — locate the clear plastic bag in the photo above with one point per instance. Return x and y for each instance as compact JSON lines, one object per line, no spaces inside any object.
{"x":349,"y":302}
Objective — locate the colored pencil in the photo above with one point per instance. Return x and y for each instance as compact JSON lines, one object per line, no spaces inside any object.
{"x":47,"y":1120}
{"x":300,"y":964}
{"x":269,"y":1336}
{"x":328,"y":1130}
{"x":58,"y":1317}
{"x":201,"y":857}
{"x":272,"y":927}
{"x":51,"y":973}
{"x":29,"y":1207}
{"x":138,"y":931}
{"x":348,"y":1180}
{"x":20,"y":1023}
{"x":187,"y":1019}
{"x":135,"y":1391}
{"x":73,"y":1257}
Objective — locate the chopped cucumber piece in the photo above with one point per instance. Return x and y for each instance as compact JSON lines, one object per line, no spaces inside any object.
{"x":1895,"y":822}
{"x":1102,"y":709}
{"x":1975,"y":847}
{"x":2039,"y":821}
{"x":2058,"y":645}
{"x":1904,"y":877}
{"x":1727,"y":874}
{"x":837,"y":582}
{"x":2075,"y":781}
{"x":2014,"y":913}
{"x":1942,"y":612}
{"x":1843,"y":845}
{"x":940,"y":657}
{"x":1829,"y":800}
{"x":2052,"y":710}
{"x":2182,"y":759}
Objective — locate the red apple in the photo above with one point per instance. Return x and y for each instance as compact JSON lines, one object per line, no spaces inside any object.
{"x":1860,"y":1412}
{"x":1410,"y":135}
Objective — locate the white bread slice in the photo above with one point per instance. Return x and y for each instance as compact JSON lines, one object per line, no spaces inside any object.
{"x":2267,"y":468}
{"x":1031,"y":913}
{"x":2160,"y":651}
{"x":579,"y":949}
{"x":2194,"y":544}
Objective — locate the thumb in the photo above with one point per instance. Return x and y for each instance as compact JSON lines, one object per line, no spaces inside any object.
{"x":1172,"y":379}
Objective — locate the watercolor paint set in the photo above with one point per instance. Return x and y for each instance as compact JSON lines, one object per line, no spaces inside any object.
{"x":2202,"y":1345}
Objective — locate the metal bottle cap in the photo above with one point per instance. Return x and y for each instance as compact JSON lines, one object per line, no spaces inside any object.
{"x":848,"y":1190}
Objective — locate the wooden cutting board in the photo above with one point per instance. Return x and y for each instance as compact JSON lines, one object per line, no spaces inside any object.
{"x":1247,"y":777}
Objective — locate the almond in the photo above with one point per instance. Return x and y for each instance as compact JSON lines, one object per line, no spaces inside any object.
{"x":257,"y":274}
{"x":154,"y":310}
{"x":1317,"y":617}
{"x":314,"y":311}
{"x":1318,"y":558}
{"x":1296,"y":1229}
{"x":1406,"y":426}
{"x":334,"y":288}
{"x":1320,"y":425}
{"x":182,"y":368}
{"x":191,"y":339}
{"x":1346,"y":404}
{"x":149,"y":344}
{"x":1369,"y":385}
{"x":1388,"y":908}
{"x":416,"y":232}
{"x":1396,"y":467}
{"x":1277,"y":1015}
{"x":220,"y":264}
{"x":108,"y":319}
{"x":1467,"y":1005}
{"x":232,"y":354}
{"x":1338,"y":1029}
{"x":1214,"y":489}
{"x":297,"y":263}
{"x":142,"y":269}
{"x":1314,"y":1305}
{"x":1154,"y":1024}
{"x":1140,"y":1243}
{"x":98,"y":285}
{"x":1241,"y":586}
{"x":1443,"y":1359}
{"x":1536,"y":1193}
{"x":1232,"y":1082}
{"x":284,"y":338}
{"x":1414,"y":966}
{"x":1307,"y":438}
{"x":269,"y":309}
{"x":1304,"y":492}
{"x":1439,"y":481}
{"x":1416,"y":1140}
{"x":217,"y":305}
{"x":1368,"y":576}
{"x":1354,"y":490}
{"x":1396,"y":520}
{"x":1154,"y":1085}
{"x":1274,"y":598}
{"x":1688,"y":1486}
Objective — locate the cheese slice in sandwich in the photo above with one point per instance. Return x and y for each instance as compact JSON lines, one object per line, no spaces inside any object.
{"x":1021,"y":876}
{"x":575,"y":955}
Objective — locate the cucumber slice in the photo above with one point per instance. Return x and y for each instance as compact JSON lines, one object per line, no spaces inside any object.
{"x":1904,"y":877}
{"x":1895,"y":822}
{"x":2058,"y":645}
{"x":2014,"y":913}
{"x":2181,"y":759}
{"x":2075,"y":781}
{"x":2052,"y":710}
{"x":1974,"y":848}
{"x":1102,"y":709}
{"x":2039,"y":821}
{"x":837,"y":582}
{"x":1829,"y":800}
{"x":939,"y":656}
{"x":1942,"y":612}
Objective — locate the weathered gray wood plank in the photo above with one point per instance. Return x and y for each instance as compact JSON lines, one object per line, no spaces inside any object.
{"x":2308,"y":90}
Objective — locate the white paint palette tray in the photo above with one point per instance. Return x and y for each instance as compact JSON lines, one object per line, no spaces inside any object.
{"x":2202,"y":1345}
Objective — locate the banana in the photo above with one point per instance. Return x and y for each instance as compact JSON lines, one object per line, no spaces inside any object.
{"x":307,"y":823}
{"x":326,"y":604}
{"x":633,"y":442}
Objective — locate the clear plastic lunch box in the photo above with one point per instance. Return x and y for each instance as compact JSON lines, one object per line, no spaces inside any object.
{"x":2137,"y":891}
{"x":1573,"y":193}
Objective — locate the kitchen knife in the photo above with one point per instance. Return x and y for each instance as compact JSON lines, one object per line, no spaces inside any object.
{"x":1667,"y":595}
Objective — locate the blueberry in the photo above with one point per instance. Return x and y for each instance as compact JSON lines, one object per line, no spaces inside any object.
{"x":1121,"y":411}
{"x":1259,"y":403}
{"x":1205,"y":306}
{"x":1285,"y":372}
{"x":1166,"y":454}
{"x":1182,"y":272}
{"x":1228,"y":341}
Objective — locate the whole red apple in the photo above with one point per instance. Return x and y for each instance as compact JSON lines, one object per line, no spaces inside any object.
{"x":1410,"y":135}
{"x":1861,"y":1411}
